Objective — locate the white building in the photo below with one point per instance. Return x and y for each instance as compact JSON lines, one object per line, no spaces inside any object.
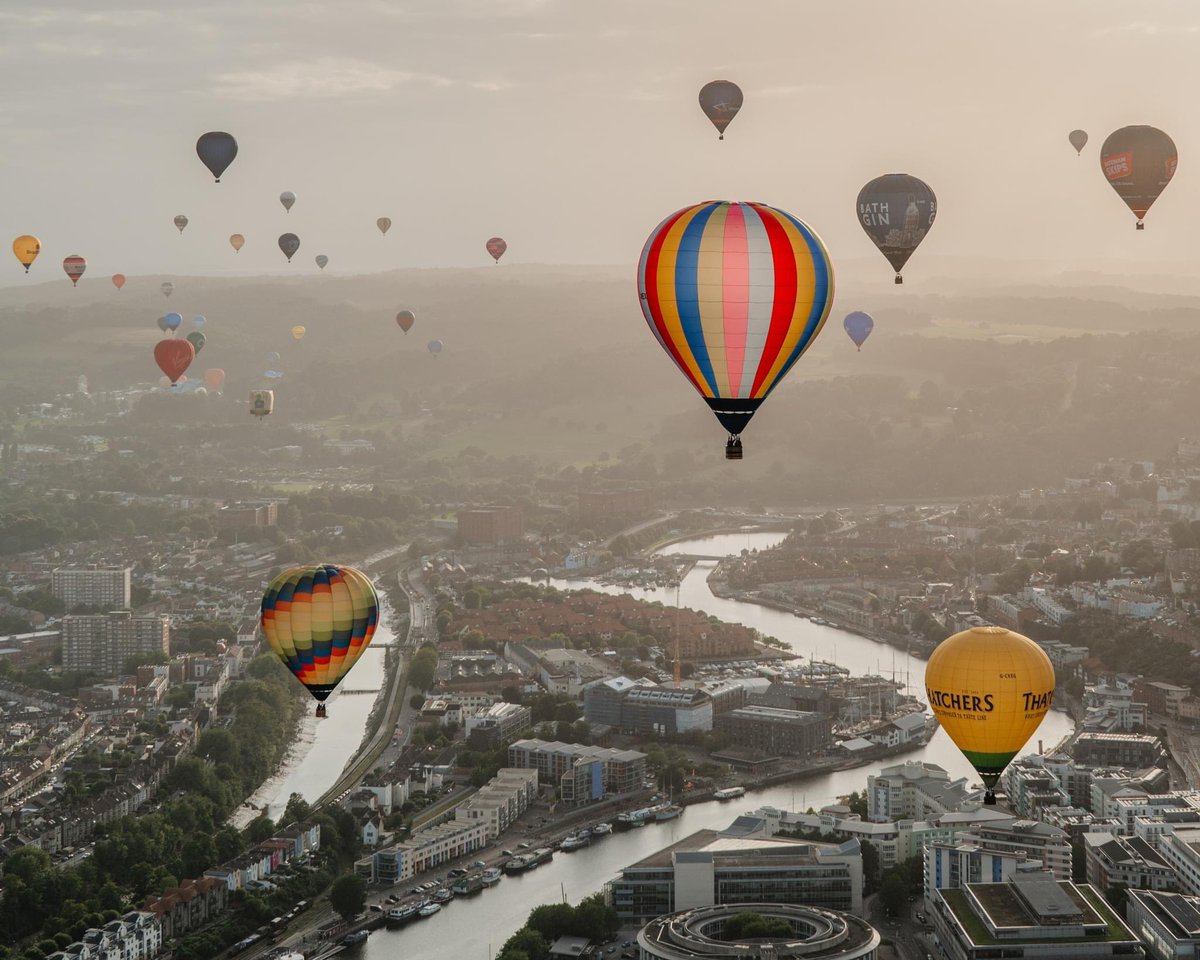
{"x":501,"y":800}
{"x":916,"y":791}
{"x":136,"y":936}
{"x":1181,"y":849}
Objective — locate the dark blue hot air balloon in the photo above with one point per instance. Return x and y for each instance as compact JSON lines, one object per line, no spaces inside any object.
{"x":858,"y":326}
{"x":216,"y":151}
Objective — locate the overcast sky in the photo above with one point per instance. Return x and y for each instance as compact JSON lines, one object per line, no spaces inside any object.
{"x":571,"y":127}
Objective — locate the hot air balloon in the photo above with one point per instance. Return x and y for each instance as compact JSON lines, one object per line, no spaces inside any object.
{"x":273,"y":374}
{"x":214,"y":379}
{"x":322,"y":260}
{"x":318,"y":619}
{"x":405,"y":319}
{"x":167,"y":288}
{"x":1139,"y":162}
{"x":1078,"y":140}
{"x":181,"y":221}
{"x":162,"y":323}
{"x":384,"y":224}
{"x":198,"y":322}
{"x":298,"y":332}
{"x":896,"y":211}
{"x":26,"y":248}
{"x":273,"y":357}
{"x":118,"y":280}
{"x":734,"y":293}
{"x":721,"y":100}
{"x":74,"y":265}
{"x":989,"y":689}
{"x":237,"y":241}
{"x":496,"y":247}
{"x":262,"y":402}
{"x":216,"y":151}
{"x":172,"y":321}
{"x":435,"y":347}
{"x":289,"y":243}
{"x":858,"y":326}
{"x":174,"y":357}
{"x":197,"y":340}
{"x":287,"y":198}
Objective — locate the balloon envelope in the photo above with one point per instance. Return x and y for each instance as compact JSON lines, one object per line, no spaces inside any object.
{"x":298,"y":332}
{"x":322,"y":260}
{"x":289,"y":243}
{"x":1139,"y":162}
{"x":198,"y":322}
{"x":173,"y":357}
{"x":384,"y":224}
{"x":74,"y":266}
{"x":989,"y":688}
{"x":26,"y":248}
{"x":181,"y":221}
{"x":734,"y":293}
{"x":237,"y":241}
{"x":405,"y":320}
{"x":173,"y":320}
{"x":435,"y":347}
{"x":318,"y":619}
{"x":216,"y":151}
{"x":1078,"y":140}
{"x":262,"y":402}
{"x":167,"y":288}
{"x":272,"y":357}
{"x":214,"y":378}
{"x":197,"y":340}
{"x":496,"y":247}
{"x":118,"y":280}
{"x":896,"y":211}
{"x":858,"y":327}
{"x":287,"y":198}
{"x":721,"y":100}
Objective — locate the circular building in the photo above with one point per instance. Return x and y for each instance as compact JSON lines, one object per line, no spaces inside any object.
{"x":816,"y":934}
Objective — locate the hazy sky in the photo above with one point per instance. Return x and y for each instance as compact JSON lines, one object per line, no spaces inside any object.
{"x":571,"y":127}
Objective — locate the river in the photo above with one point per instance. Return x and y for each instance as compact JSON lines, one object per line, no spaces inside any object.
{"x":476,"y":928}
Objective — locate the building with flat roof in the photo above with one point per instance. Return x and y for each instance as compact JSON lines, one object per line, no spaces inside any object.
{"x":580,"y":773}
{"x":709,"y":868}
{"x":1119,"y":750}
{"x":101,"y":643}
{"x":815,"y":935}
{"x":774,"y":731}
{"x":1167,"y":923}
{"x":1180,"y":847}
{"x":107,"y":588}
{"x":1031,"y":916}
{"x":499,"y":802}
{"x":654,"y":711}
{"x":916,"y":791}
{"x":489,"y":727}
{"x":1129,"y":861}
{"x":491,"y":526}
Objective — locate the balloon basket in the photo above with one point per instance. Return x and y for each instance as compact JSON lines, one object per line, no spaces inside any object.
{"x":733,"y":448}
{"x":1141,"y":225}
{"x":989,"y":799}
{"x":899,"y":279}
{"x":321,"y":712}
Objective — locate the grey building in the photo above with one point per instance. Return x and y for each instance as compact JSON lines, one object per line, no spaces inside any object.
{"x":489,"y":727}
{"x":777,"y":732}
{"x":101,"y":643}
{"x":109,"y":588}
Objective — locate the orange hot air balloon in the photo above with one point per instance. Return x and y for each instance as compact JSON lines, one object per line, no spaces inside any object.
{"x":214,"y":379}
{"x":118,"y":280}
{"x":26,"y":248}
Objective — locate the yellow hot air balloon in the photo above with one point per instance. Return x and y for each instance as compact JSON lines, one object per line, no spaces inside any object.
{"x":27,"y":248}
{"x":990,"y":689}
{"x":298,"y":333}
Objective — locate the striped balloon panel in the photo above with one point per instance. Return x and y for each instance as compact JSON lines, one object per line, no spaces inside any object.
{"x":319,"y":619}
{"x":735,"y":293}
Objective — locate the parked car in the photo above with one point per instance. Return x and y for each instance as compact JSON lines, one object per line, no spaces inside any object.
{"x":479,"y":863}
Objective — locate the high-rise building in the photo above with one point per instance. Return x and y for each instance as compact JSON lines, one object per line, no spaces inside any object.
{"x":101,"y":643}
{"x":491,"y":525}
{"x":108,"y":588}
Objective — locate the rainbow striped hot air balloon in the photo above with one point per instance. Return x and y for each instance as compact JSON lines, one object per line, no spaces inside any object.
{"x":735,"y":293}
{"x":319,"y":618}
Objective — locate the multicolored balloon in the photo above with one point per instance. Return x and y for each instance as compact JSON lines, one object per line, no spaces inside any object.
{"x":289,"y":243}
{"x":167,"y":288}
{"x":237,"y":241}
{"x":26,"y":249}
{"x":989,"y":688}
{"x":735,"y":293}
{"x":319,"y":618}
{"x":1138,"y":163}
{"x":405,"y":320}
{"x":322,"y":260}
{"x":262,"y":402}
{"x":197,"y":340}
{"x":118,"y":280}
{"x":74,"y":265}
{"x":721,"y":100}
{"x":1078,"y":139}
{"x":897,"y":211}
{"x":858,"y":326}
{"x":181,"y":221}
{"x":174,"y":357}
{"x":216,"y":151}
{"x":384,"y":224}
{"x":496,"y":247}
{"x":287,"y":198}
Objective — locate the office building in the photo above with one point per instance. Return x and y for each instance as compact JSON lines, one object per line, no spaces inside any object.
{"x":500,"y":801}
{"x":815,"y":935}
{"x":102,"y":643}
{"x":578,"y":772}
{"x":1128,"y":861}
{"x":916,"y":791}
{"x":490,"y":526}
{"x":709,"y":868}
{"x":106,"y":588}
{"x":1132,"y":750}
{"x":773,"y":731}
{"x":1168,"y":924}
{"x":655,"y":711}
{"x":489,"y":727}
{"x":1180,"y":847}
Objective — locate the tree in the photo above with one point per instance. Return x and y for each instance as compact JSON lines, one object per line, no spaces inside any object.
{"x":260,"y":828}
{"x":754,"y":926}
{"x":525,"y":942}
{"x":893,"y":893}
{"x":348,"y":896}
{"x":417,"y":701}
{"x":857,"y":802}
{"x":297,"y":810}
